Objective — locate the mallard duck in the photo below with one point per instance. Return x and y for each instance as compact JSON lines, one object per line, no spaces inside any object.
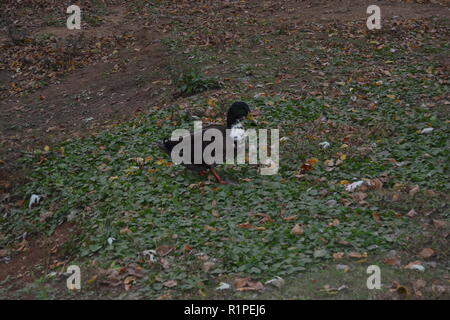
{"x":237,"y":113}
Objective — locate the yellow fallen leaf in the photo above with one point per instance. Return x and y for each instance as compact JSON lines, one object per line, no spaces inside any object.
{"x":344,"y":182}
{"x":343,"y":157}
{"x":312,"y":161}
{"x":46,"y":148}
{"x":212,"y":103}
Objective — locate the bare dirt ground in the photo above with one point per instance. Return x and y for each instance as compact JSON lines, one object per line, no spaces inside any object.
{"x":119,"y":82}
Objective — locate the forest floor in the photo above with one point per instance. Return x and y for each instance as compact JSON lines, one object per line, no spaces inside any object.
{"x":82,"y":109}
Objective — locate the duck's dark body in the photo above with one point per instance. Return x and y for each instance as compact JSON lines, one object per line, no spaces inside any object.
{"x":236,"y":113}
{"x":168,"y":145}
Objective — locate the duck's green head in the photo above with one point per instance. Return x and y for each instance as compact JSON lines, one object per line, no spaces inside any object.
{"x":237,"y":113}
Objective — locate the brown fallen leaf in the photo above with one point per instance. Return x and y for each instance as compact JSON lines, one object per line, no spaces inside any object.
{"x":290,"y":218}
{"x":187,"y":248}
{"x":396,"y":197}
{"x":297,"y":230}
{"x":376,"y":216}
{"x":245,"y":225}
{"x":414,"y":190}
{"x":209,"y":228}
{"x":439,"y":223}
{"x":357,"y":255}
{"x":125,"y":230}
{"x":215,"y":213}
{"x":4,"y":253}
{"x":44,"y":216}
{"x":376,"y":184}
{"x":128,"y":282}
{"x":265,"y":218}
{"x":412,"y":213}
{"x":359,"y":196}
{"x":240,"y":282}
{"x":417,"y":285}
{"x":334,"y":223}
{"x":260,"y":228}
{"x":338,"y":255}
{"x":426,"y":253}
{"x":244,"y":284}
{"x":165,"y":263}
{"x":207,"y":266}
{"x":439,"y":289}
{"x":413,"y":264}
{"x":343,"y":242}
{"x":392,"y":261}
{"x":164,"y":250}
{"x":165,"y":296}
{"x":170,"y":283}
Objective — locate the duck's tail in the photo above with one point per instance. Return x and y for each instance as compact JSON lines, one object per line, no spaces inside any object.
{"x":167,"y":145}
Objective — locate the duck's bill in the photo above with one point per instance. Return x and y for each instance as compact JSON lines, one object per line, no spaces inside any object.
{"x":251,"y":118}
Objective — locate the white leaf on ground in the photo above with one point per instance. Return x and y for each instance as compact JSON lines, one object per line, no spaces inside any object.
{"x":324,"y":144}
{"x":277,"y":282}
{"x":111,"y":240}
{"x":427,"y":130}
{"x":223,"y":286}
{"x":417,"y":267}
{"x":353,"y":186}
{"x":342,"y":267}
{"x":35,"y":199}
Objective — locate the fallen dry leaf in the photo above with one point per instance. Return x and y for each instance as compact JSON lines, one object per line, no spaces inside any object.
{"x":164,"y":250}
{"x":297,"y":230}
{"x":44,"y":216}
{"x":334,"y":223}
{"x":187,"y":248}
{"x":338,"y":255}
{"x":412,"y":213}
{"x":209,"y":228}
{"x":376,"y":216}
{"x":439,"y":289}
{"x":125,"y":230}
{"x":215,"y":213}
{"x":244,"y":284}
{"x":426,"y":253}
{"x":207,"y":266}
{"x":245,"y":225}
{"x":392,"y":261}
{"x":265,"y":218}
{"x":170,"y":283}
{"x":414,"y":190}
{"x":357,"y":255}
{"x":439,"y":223}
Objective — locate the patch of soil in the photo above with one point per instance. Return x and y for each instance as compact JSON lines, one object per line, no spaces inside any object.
{"x":36,"y":257}
{"x":347,"y":10}
{"x":85,"y":101}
